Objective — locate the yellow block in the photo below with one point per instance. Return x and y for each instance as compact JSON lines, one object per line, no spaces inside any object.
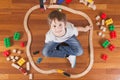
{"x":109,"y":21}
{"x":90,"y":1}
{"x":21,"y":62}
{"x":60,"y":71}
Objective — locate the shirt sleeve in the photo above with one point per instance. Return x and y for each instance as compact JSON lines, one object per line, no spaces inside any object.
{"x":48,"y":37}
{"x":74,"y":29}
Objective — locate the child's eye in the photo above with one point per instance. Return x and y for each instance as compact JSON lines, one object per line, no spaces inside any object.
{"x":60,"y":24}
{"x":54,"y":25}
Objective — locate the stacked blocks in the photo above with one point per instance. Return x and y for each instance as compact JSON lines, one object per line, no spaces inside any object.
{"x":7,"y":42}
{"x":21,"y":62}
{"x":106,"y":44}
{"x":17,"y":36}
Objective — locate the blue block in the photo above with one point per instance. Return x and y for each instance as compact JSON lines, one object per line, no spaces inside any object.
{"x":60,"y":1}
{"x":39,"y":60}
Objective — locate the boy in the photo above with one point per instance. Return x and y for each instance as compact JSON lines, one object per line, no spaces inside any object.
{"x":61,"y":39}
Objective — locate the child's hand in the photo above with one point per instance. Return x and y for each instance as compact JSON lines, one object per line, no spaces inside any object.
{"x":87,"y":28}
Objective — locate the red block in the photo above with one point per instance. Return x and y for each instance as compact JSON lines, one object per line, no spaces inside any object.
{"x":111,"y":47}
{"x":6,"y":53}
{"x":22,"y":44}
{"x":113,"y":34}
{"x":104,"y":57}
{"x":68,"y":1}
{"x":23,"y":71}
{"x":103,"y":16}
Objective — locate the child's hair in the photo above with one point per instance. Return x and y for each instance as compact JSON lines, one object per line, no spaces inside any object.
{"x":56,"y":15}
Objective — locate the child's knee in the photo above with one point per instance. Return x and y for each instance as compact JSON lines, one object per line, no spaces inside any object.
{"x":45,"y":53}
{"x":80,"y":52}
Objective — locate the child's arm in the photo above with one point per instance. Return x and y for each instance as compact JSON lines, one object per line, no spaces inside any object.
{"x":84,"y":29}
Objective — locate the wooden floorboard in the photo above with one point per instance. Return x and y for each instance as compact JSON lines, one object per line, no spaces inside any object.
{"x":12,"y":14}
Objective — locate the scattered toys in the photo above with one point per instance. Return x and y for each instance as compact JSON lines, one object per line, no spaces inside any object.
{"x":30,"y":76}
{"x":21,"y":62}
{"x":22,"y":44}
{"x":17,"y":36}
{"x":103,"y":16}
{"x":23,"y":71}
{"x":7,"y":42}
{"x":15,"y":66}
{"x":27,"y":66}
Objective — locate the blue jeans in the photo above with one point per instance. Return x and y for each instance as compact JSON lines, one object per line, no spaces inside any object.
{"x":71,"y":47}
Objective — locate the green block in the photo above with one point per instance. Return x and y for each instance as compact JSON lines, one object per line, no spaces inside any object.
{"x":7,"y":42}
{"x":16,"y":36}
{"x":105,"y":44}
{"x":111,"y":27}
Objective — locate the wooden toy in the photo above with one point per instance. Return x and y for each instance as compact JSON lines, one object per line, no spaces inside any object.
{"x":23,"y":70}
{"x":15,"y":66}
{"x":21,"y":62}
{"x":7,"y":42}
{"x":19,"y":51}
{"x":103,"y":22}
{"x":17,"y":36}
{"x":8,"y":59}
{"x":30,"y":77}
{"x":27,"y":66}
{"x":97,"y":17}
{"x":109,"y":21}
{"x":14,"y":50}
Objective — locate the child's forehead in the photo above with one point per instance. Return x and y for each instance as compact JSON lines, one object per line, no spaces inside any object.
{"x":55,"y":21}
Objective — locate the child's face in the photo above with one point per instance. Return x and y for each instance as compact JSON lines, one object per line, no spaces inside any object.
{"x":58,"y":27}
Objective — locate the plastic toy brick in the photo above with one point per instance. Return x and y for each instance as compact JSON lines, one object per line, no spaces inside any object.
{"x":111,"y":27}
{"x":17,"y":36}
{"x":22,"y":44}
{"x":7,"y":42}
{"x":39,"y":60}
{"x":111,"y":47}
{"x":90,"y":1}
{"x":60,"y":1}
{"x":6,"y":53}
{"x":104,"y":57}
{"x":105,"y":43}
{"x":21,"y":62}
{"x":103,"y":16}
{"x":113,"y":34}
{"x":109,"y":21}
{"x":68,"y":1}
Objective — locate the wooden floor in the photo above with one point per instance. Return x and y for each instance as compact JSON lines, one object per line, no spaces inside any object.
{"x":12,"y":13}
